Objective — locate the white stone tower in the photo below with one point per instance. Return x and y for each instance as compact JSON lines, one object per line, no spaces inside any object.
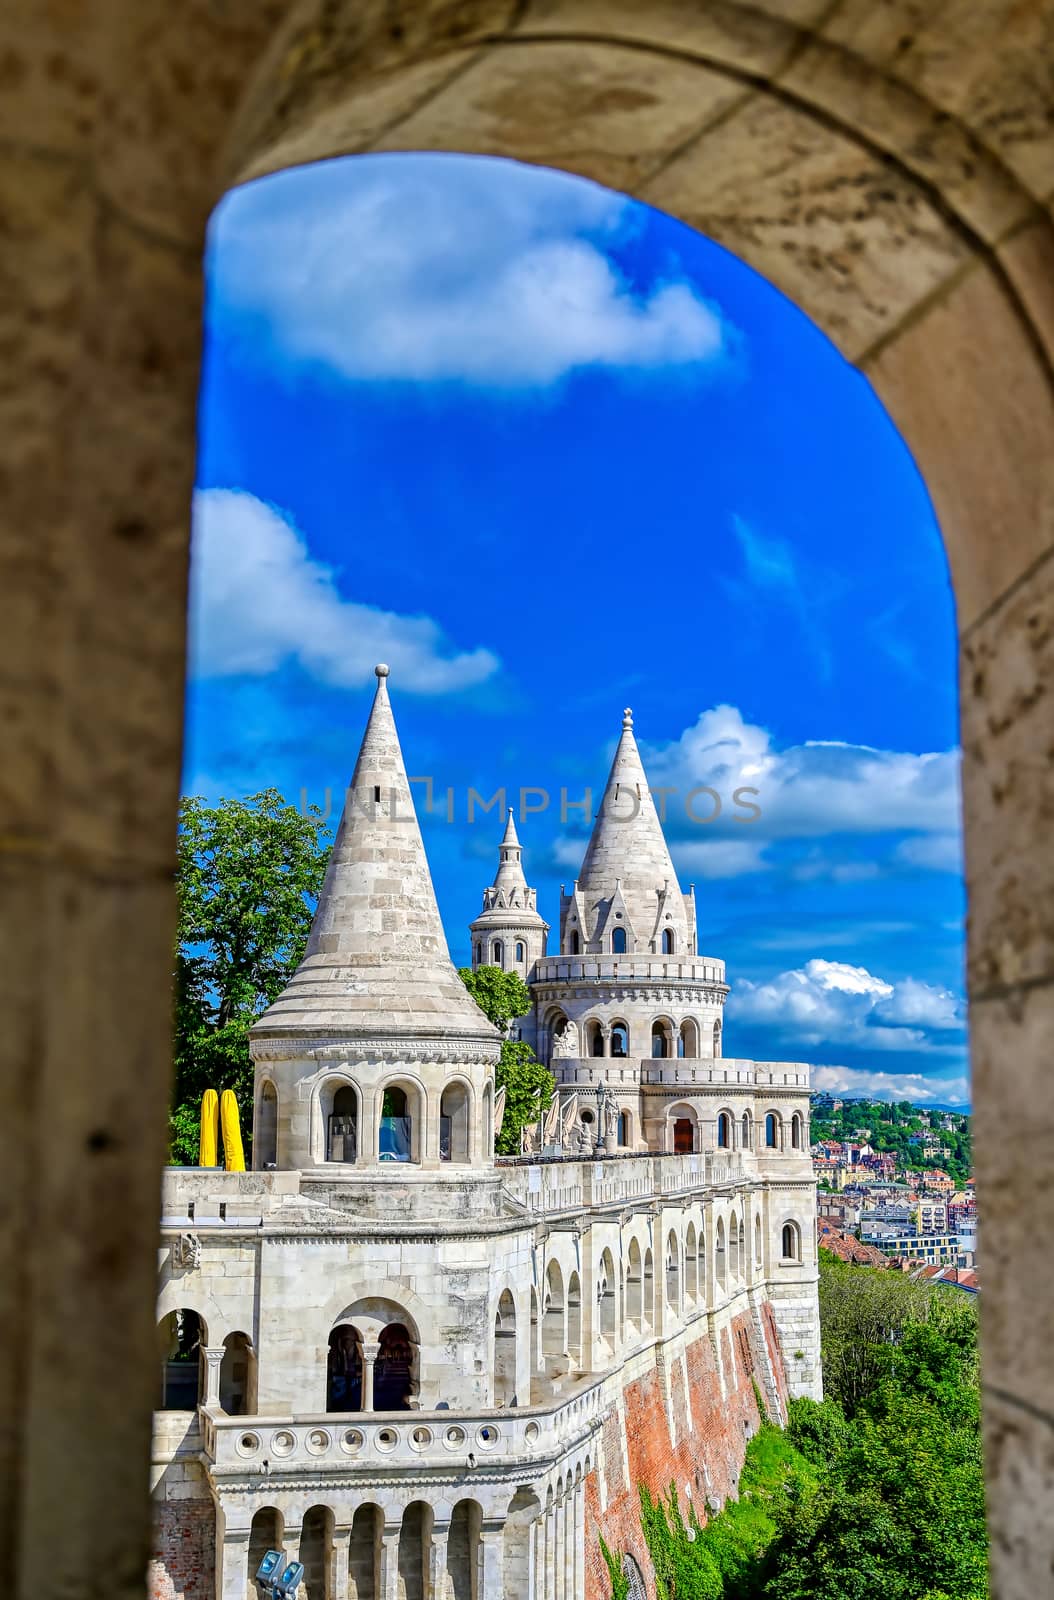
{"x":509,"y":932}
{"x":375,"y":1053}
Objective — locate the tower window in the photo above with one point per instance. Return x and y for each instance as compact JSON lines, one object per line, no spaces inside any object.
{"x":499,"y":953}
{"x":376,"y":793}
{"x":520,"y":952}
{"x":667,"y":941}
{"x":618,"y":941}
{"x":572,"y":942}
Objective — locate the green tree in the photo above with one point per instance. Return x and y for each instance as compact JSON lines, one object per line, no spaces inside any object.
{"x":248,"y":876}
{"x":503,"y":996}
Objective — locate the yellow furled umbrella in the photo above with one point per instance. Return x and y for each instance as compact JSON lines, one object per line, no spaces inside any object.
{"x":233,"y":1154}
{"x":209,"y":1141}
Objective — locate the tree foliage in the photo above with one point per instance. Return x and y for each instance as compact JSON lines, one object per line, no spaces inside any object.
{"x":878,"y":1489}
{"x":248,"y":875}
{"x":503,"y":996}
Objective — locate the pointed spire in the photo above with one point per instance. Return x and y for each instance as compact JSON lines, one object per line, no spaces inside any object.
{"x":376,"y":961}
{"x":628,"y":857}
{"x":510,"y":836}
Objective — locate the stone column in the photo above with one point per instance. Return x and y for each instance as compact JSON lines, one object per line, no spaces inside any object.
{"x":435,"y":1582}
{"x":490,"y":1555}
{"x":389,"y":1589}
{"x":294,"y":1526}
{"x":369,"y":1356}
{"x":213,"y":1358}
{"x":232,"y":1563}
{"x":339,"y":1553}
{"x":549,"y":1577}
{"x":578,"y":1536}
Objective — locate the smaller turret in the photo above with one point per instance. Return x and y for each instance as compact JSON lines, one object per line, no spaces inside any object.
{"x":509,"y":932}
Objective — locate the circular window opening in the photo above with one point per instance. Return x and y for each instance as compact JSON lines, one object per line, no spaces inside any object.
{"x":488,"y":1436}
{"x":454,"y":1438}
{"x":531,"y":1432}
{"x":421,"y":1438}
{"x":352,"y":1441}
{"x":318,"y":1441}
{"x":283,"y":1444}
{"x":249,"y":1443}
{"x":387,"y":1439}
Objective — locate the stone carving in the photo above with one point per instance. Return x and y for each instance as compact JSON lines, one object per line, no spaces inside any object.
{"x":565,"y":1045}
{"x":186,"y":1252}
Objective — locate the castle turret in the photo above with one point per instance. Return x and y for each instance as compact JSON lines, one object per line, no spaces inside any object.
{"x":375,"y":1051}
{"x":509,"y":932}
{"x":626,"y":900}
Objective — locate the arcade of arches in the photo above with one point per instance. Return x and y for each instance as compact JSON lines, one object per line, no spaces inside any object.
{"x":888,"y":167}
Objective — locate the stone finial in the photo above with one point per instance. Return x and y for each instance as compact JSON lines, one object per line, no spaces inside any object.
{"x":382,"y":669}
{"x":627,"y":718}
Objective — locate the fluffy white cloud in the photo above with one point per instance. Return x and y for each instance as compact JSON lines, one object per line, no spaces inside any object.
{"x":828,"y":1003}
{"x":718,"y":858}
{"x":258,"y":600}
{"x":809,"y":790}
{"x":378,"y":271}
{"x":892,"y":1085}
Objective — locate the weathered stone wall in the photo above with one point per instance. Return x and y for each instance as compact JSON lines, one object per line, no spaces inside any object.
{"x":696,"y":1442}
{"x":183,"y":1562}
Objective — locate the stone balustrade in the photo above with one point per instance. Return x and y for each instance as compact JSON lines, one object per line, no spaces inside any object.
{"x":629,"y":969}
{"x":545,"y":1188}
{"x":415,"y":1441}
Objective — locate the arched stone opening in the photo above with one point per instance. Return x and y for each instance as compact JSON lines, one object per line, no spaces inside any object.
{"x":265,"y":1139}
{"x":534,"y":1345}
{"x":607,"y":1300}
{"x":399,"y":1123}
{"x":733,"y":1248}
{"x":673,"y":1274}
{"x":316,"y":1550}
{"x":618,"y":941}
{"x":463,"y":1551}
{"x":574,"y":943}
{"x":238,"y":1375}
{"x":701,"y":1259}
{"x":724,"y":1130}
{"x":691,"y":1265}
{"x":619,"y":1039}
{"x":344,"y":1369}
{"x":625,"y":1130}
{"x":395,"y":1369}
{"x":183,"y":1337}
{"x":649,"y":1290}
{"x":669,"y":943}
{"x":574,"y":1320}
{"x":746,"y":1131}
{"x":488,"y":1131}
{"x":682,"y":1123}
{"x":717,"y":1040}
{"x":342,"y":1122}
{"x":505,"y":1350}
{"x":554,"y":1327}
{"x":796,"y":1131}
{"x":521,"y":952}
{"x":415,"y":1537}
{"x":635,"y":1288}
{"x":524,"y":1510}
{"x":720,"y":1262}
{"x":688,"y":1038}
{"x":455,"y":1123}
{"x":773,"y":1131}
{"x":790,"y":1242}
{"x":594,"y":1037}
{"x":266,"y":1532}
{"x":758,"y":1243}
{"x":364,"y":1553}
{"x":661,"y":1040}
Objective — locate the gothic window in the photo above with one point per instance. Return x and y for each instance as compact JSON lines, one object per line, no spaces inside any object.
{"x":683,"y":1136}
{"x":791,"y":1242}
{"x":619,"y":1039}
{"x":796,"y":1131}
{"x":520,"y":952}
{"x":343,"y":1126}
{"x":397,"y":1135}
{"x":477,"y":954}
{"x":572,"y":942}
{"x":667,"y":941}
{"x":623,"y":1129}
{"x":660,"y":1041}
{"x":344,"y":1370}
{"x":499,"y":954}
{"x":717,"y":1040}
{"x":772,"y":1131}
{"x":748,"y":1131}
{"x":454,"y":1123}
{"x":265,"y":1145}
{"x":618,"y":942}
{"x":183,"y":1336}
{"x":724,"y":1131}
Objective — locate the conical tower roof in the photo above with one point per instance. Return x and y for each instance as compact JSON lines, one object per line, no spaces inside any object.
{"x":628,"y":861}
{"x":376,"y":963}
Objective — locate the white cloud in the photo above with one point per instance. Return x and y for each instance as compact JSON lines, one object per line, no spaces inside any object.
{"x":808,"y":790}
{"x":719,"y":858}
{"x":258,"y":600}
{"x":937,"y":852}
{"x":826,"y":1003}
{"x":490,"y":275}
{"x":892,"y":1085}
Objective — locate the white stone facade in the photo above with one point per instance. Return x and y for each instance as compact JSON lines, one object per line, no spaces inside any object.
{"x":395,"y":1355}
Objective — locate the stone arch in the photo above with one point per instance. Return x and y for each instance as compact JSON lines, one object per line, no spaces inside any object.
{"x":791,"y":1241}
{"x":316,"y":1550}
{"x":966,"y":302}
{"x":635,"y":1287}
{"x":401,"y":1102}
{"x":265,"y":1137}
{"x":487,"y":1131}
{"x":701,"y":1260}
{"x":688,"y":1039}
{"x":668,"y":943}
{"x":375,"y":1345}
{"x":463,"y":1550}
{"x":607,"y":1299}
{"x":758,"y":1242}
{"x":238,"y":1375}
{"x":733,"y":1249}
{"x":627,"y":1134}
{"x":574,"y":1320}
{"x":662,"y":1038}
{"x":266,"y":1532}
{"x":504,"y":1367}
{"x":455,"y":1121}
{"x":364,"y":1552}
{"x":340,"y":1106}
{"x":618,"y":940}
{"x":554,"y":1316}
{"x":649,"y":1289}
{"x":594,"y":1034}
{"x":497,"y":953}
{"x":182,"y":1335}
{"x":746,"y":1131}
{"x":716,"y":1045}
{"x":415,"y":1537}
{"x":691,"y":1265}
{"x":773,"y":1131}
{"x":720,"y":1255}
{"x":682,"y":1128}
{"x":619,"y":1045}
{"x":725,"y":1130}
{"x":521,"y":951}
{"x":344,"y":1369}
{"x":797,"y":1131}
{"x":673,"y":1273}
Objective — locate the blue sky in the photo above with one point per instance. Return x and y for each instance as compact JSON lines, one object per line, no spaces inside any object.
{"x":549,"y":454}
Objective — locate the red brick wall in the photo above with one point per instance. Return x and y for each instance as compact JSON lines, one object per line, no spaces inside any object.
{"x":704,"y":1458}
{"x":183,"y":1566}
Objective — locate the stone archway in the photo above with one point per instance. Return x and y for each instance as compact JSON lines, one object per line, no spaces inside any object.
{"x":921,"y":146}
